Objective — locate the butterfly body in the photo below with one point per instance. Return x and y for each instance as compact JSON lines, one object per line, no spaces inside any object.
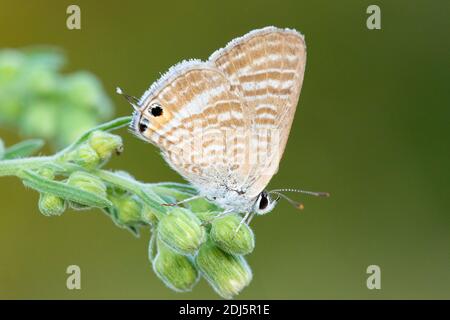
{"x":223,"y":124}
{"x":228,"y":199}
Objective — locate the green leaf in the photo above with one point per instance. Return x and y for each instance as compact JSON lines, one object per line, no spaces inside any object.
{"x":153,"y":201}
{"x":184,"y":187}
{"x":23,"y":149}
{"x":177,"y":190}
{"x":63,"y":190}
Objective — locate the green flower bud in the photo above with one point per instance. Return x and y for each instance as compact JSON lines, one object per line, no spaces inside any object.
{"x":87,"y":182}
{"x":85,"y":156}
{"x":105,"y":144}
{"x":223,"y":233}
{"x":175,"y":270}
{"x":181,"y":230}
{"x":148,"y":216}
{"x":128,"y":210}
{"x":228,"y":274}
{"x":51,"y":205}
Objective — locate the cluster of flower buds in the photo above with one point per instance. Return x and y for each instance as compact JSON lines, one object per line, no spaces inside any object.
{"x":198,"y":243}
{"x":79,"y":188}
{"x":96,"y":151}
{"x":41,"y":102}
{"x":189,"y":241}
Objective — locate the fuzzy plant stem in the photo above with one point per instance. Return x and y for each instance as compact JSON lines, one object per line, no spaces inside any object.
{"x":12,"y":167}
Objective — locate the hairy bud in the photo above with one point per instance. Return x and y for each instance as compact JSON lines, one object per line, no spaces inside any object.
{"x":182,"y":231}
{"x":149,"y":216}
{"x":228,"y":274}
{"x":85,"y":156}
{"x":128,"y":210}
{"x":105,"y":144}
{"x":175,"y":270}
{"x":51,"y":205}
{"x":224,"y":232}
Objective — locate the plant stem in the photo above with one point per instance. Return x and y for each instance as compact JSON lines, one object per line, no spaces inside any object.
{"x":14,"y":166}
{"x":140,"y":189}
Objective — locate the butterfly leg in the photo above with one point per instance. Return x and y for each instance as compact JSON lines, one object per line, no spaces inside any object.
{"x":180,"y":202}
{"x":224,"y":213}
{"x":248,"y":216}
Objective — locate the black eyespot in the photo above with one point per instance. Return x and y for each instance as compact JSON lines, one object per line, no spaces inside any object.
{"x":142,"y":127}
{"x":264,"y":202}
{"x":143,"y":124}
{"x":156,"y":111}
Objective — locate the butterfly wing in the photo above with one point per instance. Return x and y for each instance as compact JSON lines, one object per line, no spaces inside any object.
{"x":225,"y":122}
{"x":266,"y":67}
{"x":200,"y":129}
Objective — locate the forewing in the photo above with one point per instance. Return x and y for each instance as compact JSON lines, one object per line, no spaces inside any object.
{"x":266,"y":67}
{"x":199,"y":131}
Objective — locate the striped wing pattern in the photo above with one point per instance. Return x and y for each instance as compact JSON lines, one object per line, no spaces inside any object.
{"x":248,"y":90}
{"x":267,"y":67}
{"x":198,"y":106}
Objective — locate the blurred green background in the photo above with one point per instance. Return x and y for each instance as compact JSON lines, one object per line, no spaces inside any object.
{"x":372,"y":128}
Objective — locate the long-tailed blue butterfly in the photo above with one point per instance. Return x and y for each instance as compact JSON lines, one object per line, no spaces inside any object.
{"x":223,"y":124}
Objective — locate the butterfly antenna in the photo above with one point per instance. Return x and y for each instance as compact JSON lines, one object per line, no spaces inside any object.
{"x":131,"y":99}
{"x":311,"y":193}
{"x":296,"y":204}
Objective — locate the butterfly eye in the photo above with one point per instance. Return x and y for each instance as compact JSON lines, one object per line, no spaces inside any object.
{"x":263,"y":202}
{"x":156,"y":110}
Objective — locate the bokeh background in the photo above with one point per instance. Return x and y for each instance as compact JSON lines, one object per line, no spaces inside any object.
{"x":372,"y":128}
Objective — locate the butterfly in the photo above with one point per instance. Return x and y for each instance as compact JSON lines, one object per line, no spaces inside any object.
{"x":223,"y":124}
